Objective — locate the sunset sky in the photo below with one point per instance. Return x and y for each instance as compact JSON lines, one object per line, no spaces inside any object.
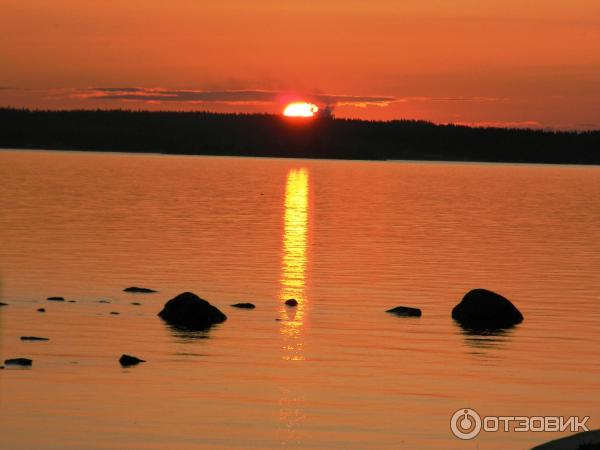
{"x":533,"y":63}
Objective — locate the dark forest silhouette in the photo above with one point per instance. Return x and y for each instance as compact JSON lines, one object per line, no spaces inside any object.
{"x":204,"y":133}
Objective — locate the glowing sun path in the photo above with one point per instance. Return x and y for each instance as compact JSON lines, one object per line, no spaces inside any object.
{"x":294,"y":261}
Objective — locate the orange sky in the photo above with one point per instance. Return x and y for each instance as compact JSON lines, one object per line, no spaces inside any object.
{"x":509,"y":62}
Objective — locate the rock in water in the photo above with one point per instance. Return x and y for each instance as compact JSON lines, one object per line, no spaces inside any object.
{"x":189,"y":311}
{"x":139,"y":290}
{"x":244,"y":305}
{"x":3,"y":304}
{"x":291,"y":302}
{"x":136,"y":303}
{"x":56,"y":299}
{"x":103,"y":301}
{"x":481,"y":309}
{"x":41,"y":310}
{"x":128,"y":360}
{"x":18,"y":362}
{"x":115,"y":313}
{"x":33,"y":338}
{"x":405,"y":311}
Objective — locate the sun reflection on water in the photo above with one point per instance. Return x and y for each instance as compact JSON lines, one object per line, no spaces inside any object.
{"x":294,"y":261}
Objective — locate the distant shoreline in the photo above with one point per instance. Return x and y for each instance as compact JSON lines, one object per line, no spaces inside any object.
{"x":263,"y":135}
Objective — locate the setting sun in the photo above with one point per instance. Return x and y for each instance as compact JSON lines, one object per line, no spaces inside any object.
{"x":300,"y":109}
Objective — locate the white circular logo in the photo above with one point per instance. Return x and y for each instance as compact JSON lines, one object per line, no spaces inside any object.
{"x":465,"y":423}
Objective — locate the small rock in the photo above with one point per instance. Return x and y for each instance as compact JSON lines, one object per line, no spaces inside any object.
{"x":72,"y":301}
{"x":291,"y":302}
{"x":103,"y":301}
{"x":136,"y":303}
{"x":115,"y":313}
{"x":41,"y":310}
{"x":244,"y":305}
{"x":56,"y":299}
{"x":405,"y":311}
{"x":189,"y":311}
{"x":3,"y":304}
{"x":1,"y":367}
{"x":139,"y":290}
{"x":481,"y":309}
{"x":18,"y":362}
{"x":128,"y":360}
{"x":33,"y":338}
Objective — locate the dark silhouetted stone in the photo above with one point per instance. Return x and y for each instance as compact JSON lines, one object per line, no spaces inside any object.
{"x":103,"y":301}
{"x":139,"y":290}
{"x":115,"y":313}
{"x":72,"y":301}
{"x":136,"y":303}
{"x":3,"y":304}
{"x":18,"y":362}
{"x":244,"y":305}
{"x":405,"y":311}
{"x":33,"y":338}
{"x":291,"y":302}
{"x":1,"y":367}
{"x":481,"y":309}
{"x":41,"y":310}
{"x":586,"y":440}
{"x":189,"y":311}
{"x":56,"y":299}
{"x":128,"y":360}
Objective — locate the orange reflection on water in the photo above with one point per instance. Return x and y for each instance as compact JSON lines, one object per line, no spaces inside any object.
{"x":294,"y":261}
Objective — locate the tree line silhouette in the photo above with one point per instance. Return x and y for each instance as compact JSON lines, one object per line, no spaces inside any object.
{"x":204,"y":133}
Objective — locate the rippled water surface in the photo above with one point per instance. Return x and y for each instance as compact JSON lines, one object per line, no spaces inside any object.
{"x":348,"y":240}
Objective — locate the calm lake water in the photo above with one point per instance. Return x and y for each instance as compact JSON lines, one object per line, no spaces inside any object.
{"x":348,"y":240}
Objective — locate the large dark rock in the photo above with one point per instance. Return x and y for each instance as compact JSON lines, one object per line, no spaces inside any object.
{"x":586,"y":440}
{"x":18,"y":362}
{"x":291,"y":302}
{"x":244,"y":305}
{"x":481,"y":309}
{"x":34,"y":338}
{"x":56,"y":299}
{"x":189,"y":311}
{"x":41,"y":310}
{"x":405,"y":311}
{"x":3,"y":304}
{"x":128,"y":360}
{"x":139,"y":290}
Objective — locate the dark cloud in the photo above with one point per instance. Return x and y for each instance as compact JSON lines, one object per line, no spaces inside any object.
{"x":226,"y":96}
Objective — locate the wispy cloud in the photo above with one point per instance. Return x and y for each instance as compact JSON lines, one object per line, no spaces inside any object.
{"x":497,"y":124}
{"x":248,"y":96}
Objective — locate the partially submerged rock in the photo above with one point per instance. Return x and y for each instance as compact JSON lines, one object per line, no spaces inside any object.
{"x":3,"y":304}
{"x":139,"y":290}
{"x":405,"y":311}
{"x":41,"y":310}
{"x":481,"y":309}
{"x":72,"y":301}
{"x":587,"y":440}
{"x":34,"y":338}
{"x":189,"y":311}
{"x":18,"y":362}
{"x":115,"y":313}
{"x":136,"y":303}
{"x":244,"y":305}
{"x":128,"y":360}
{"x":103,"y":301}
{"x":291,"y":302}
{"x":56,"y":299}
